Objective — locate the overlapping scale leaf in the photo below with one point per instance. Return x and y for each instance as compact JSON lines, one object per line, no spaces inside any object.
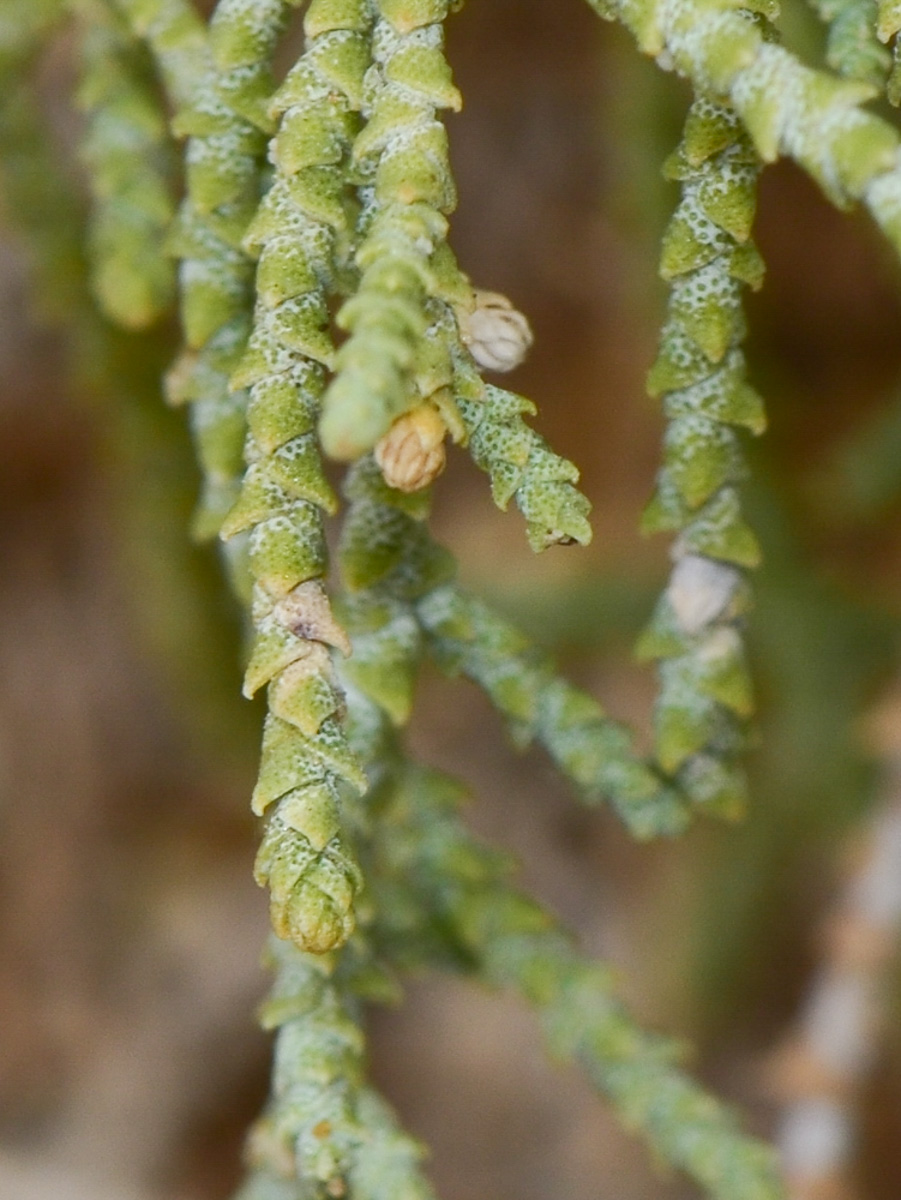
{"x":705,"y":696}
{"x":325,"y":1131}
{"x":222,"y":176}
{"x":396,"y":355}
{"x":127,"y":154}
{"x":306,"y":773}
{"x":520,"y":464}
{"x":243,"y":38}
{"x":307,"y":767}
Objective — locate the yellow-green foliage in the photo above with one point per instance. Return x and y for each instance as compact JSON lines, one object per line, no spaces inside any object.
{"x":397,"y":353}
{"x":705,"y":693}
{"x":296,"y":236}
{"x":127,"y":153}
{"x":319,"y":302}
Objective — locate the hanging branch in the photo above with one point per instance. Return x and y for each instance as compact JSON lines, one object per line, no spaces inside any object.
{"x":405,"y":375}
{"x":305,"y":759}
{"x":695,"y":635}
{"x":326,"y":1132}
{"x":128,"y":156}
{"x":787,"y":108}
{"x":440,"y":895}
{"x":307,"y":767}
{"x":398,"y":588}
{"x":466,"y":637}
{"x":853,"y":47}
{"x":396,"y":355}
{"x":519,"y":463}
{"x":431,"y":882}
{"x":222,"y":163}
{"x":458,"y":886}
{"x":355,"y":205}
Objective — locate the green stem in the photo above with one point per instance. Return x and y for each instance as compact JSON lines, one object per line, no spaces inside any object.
{"x":787,"y":108}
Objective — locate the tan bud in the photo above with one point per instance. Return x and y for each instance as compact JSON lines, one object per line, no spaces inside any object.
{"x":411,"y":454}
{"x":497,"y":335}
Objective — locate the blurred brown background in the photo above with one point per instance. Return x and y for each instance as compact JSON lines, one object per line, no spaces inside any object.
{"x":130,"y":932}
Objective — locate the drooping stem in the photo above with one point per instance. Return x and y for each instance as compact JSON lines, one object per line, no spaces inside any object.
{"x":307,"y":767}
{"x":129,"y":160}
{"x":695,"y":635}
{"x":786,"y":107}
{"x":398,"y":320}
{"x":326,"y":1131}
{"x":853,"y":47}
{"x":441,"y":896}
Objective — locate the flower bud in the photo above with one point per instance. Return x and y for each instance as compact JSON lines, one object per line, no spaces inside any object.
{"x":497,"y":335}
{"x":411,"y":454}
{"x":700,"y":591}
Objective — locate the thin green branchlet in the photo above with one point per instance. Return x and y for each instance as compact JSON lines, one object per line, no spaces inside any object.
{"x":728,"y":51}
{"x":326,"y":1131}
{"x":276,"y":507}
{"x":445,"y":887}
{"x":439,"y":896}
{"x":519,"y":463}
{"x":853,"y":45}
{"x":704,"y":697}
{"x":396,"y":353}
{"x":222,"y":166}
{"x":128,"y":154}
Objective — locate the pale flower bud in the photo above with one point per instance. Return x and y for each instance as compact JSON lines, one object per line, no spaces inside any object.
{"x":411,"y":454}
{"x":700,"y":590}
{"x":497,"y":335}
